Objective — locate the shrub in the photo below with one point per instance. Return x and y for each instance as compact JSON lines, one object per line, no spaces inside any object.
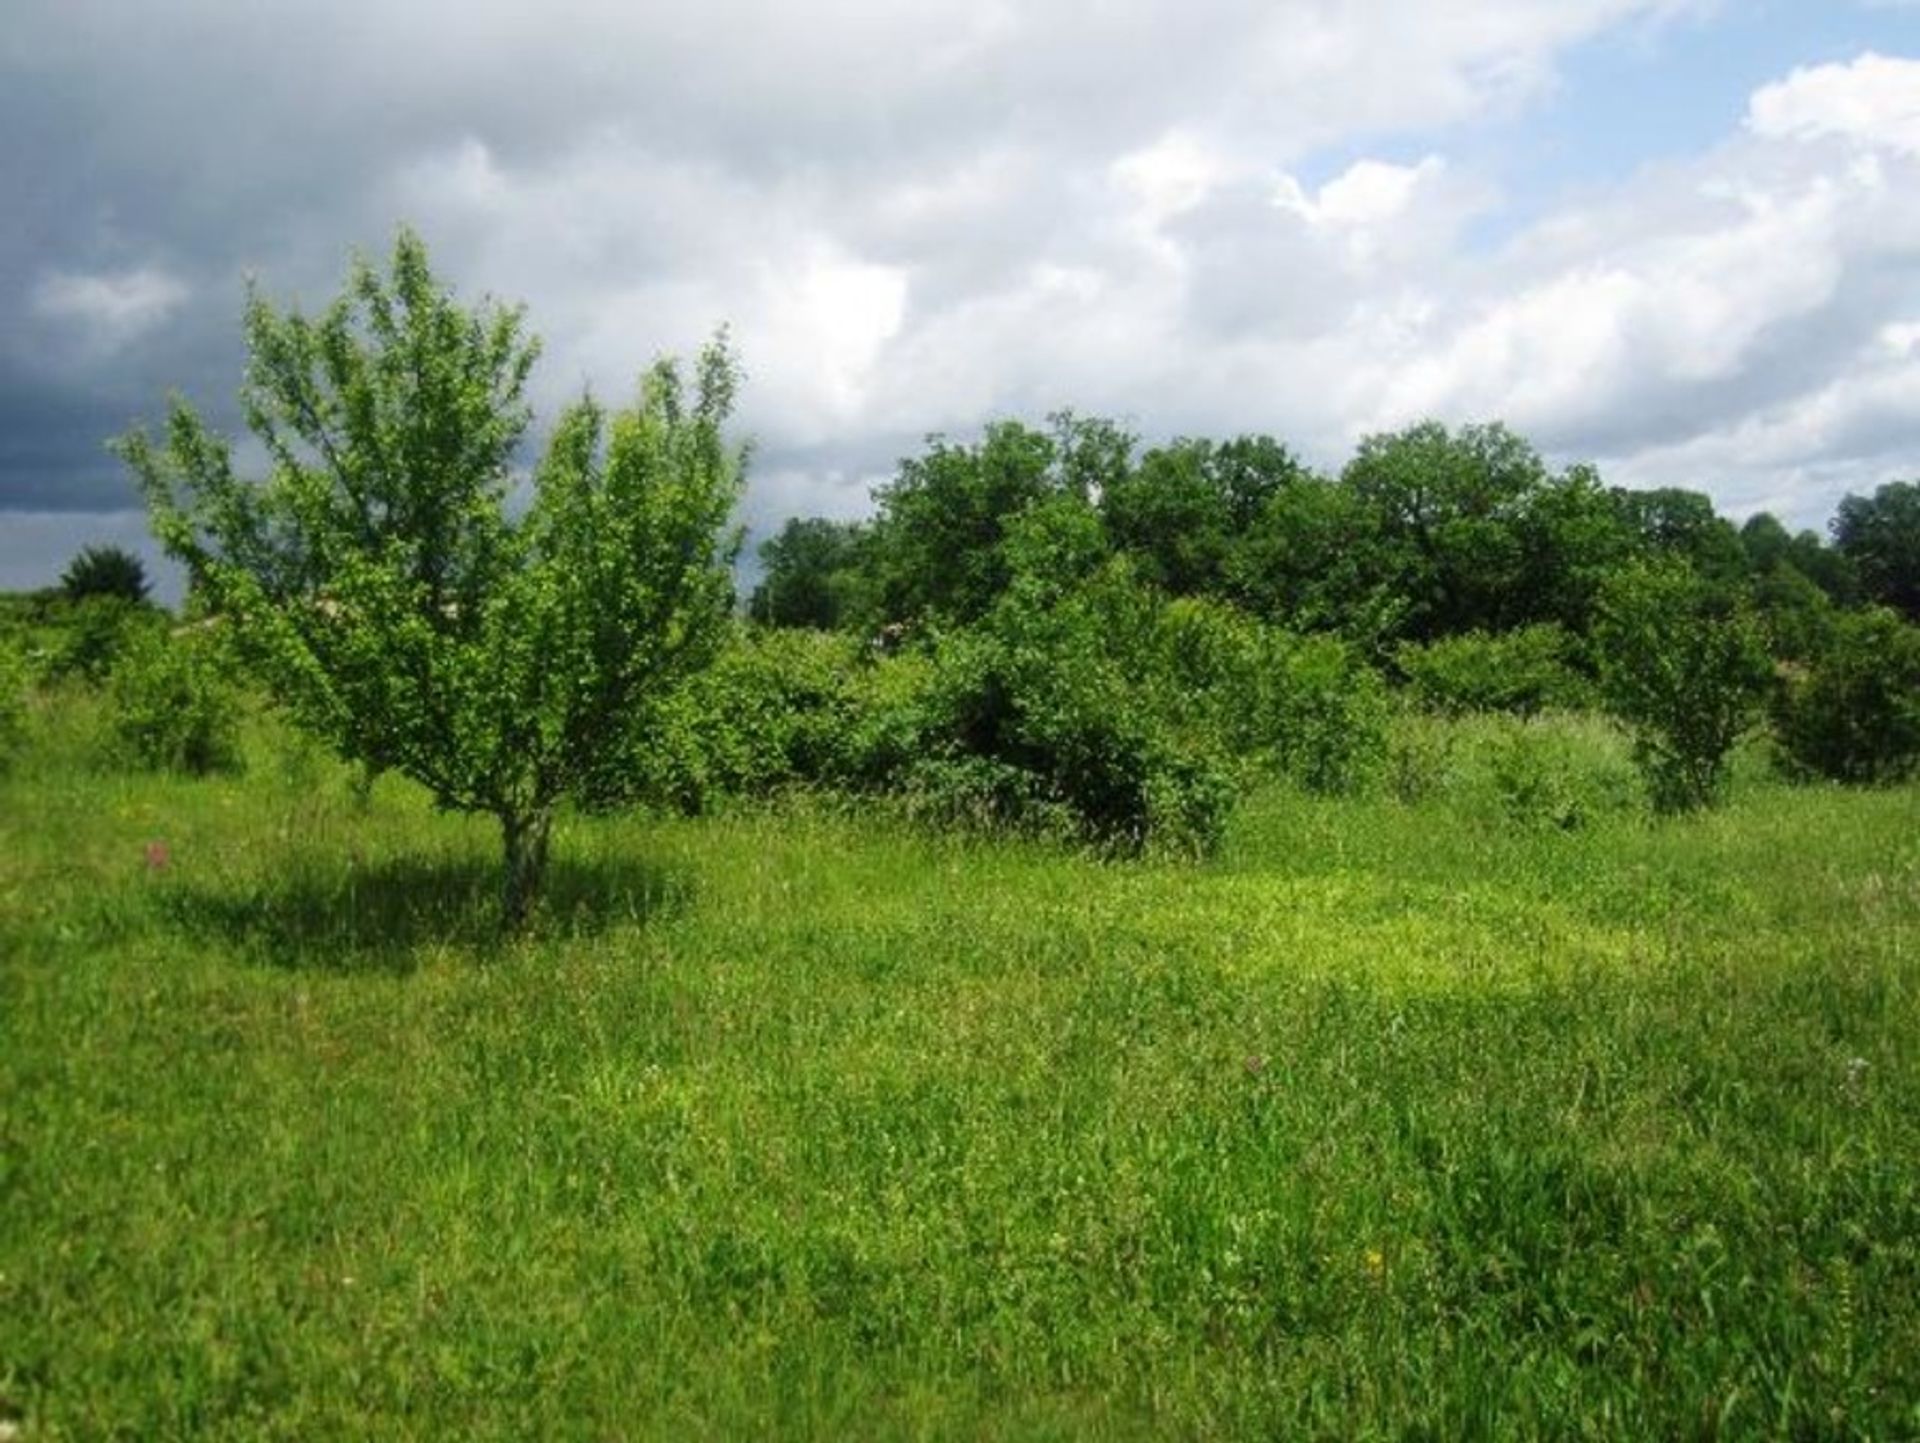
{"x":773,"y":710}
{"x":1521,"y":672}
{"x":171,"y":707}
{"x":1305,"y":706}
{"x":94,"y":634}
{"x":1327,"y":712}
{"x":1546,"y":775}
{"x":1854,"y":714}
{"x":13,"y":703}
{"x":891,"y":718}
{"x":1050,"y":716}
{"x":1683,"y":664}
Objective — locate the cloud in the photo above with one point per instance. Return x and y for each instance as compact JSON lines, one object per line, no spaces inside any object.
{"x":1215,"y":216}
{"x":1874,"y":100}
{"x":109,"y":311}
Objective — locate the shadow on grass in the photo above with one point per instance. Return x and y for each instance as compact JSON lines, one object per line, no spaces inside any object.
{"x":381,"y":917}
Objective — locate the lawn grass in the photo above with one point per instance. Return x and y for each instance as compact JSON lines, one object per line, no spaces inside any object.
{"x":1394,"y":1121}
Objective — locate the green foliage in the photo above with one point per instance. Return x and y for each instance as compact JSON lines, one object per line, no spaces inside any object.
{"x":1880,"y":535}
{"x":810,"y":574}
{"x":1795,"y":613}
{"x":1558,"y":771}
{"x":1303,"y":707}
{"x":13,"y":702}
{"x":775,"y":709}
{"x":1853,"y":714}
{"x":937,"y":541}
{"x":90,"y":637}
{"x":1770,"y":548}
{"x":171,"y":706}
{"x":1444,"y":508}
{"x":105,"y":571}
{"x":1183,"y":510}
{"x":384,"y":591}
{"x":1572,"y":536}
{"x":1678,"y":526}
{"x":1326,"y":712}
{"x":1522,"y":672}
{"x":1683,"y":663}
{"x":1546,"y":773}
{"x":1050,"y":716}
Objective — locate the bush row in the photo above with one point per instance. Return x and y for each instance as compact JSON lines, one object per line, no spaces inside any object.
{"x":1085,"y":705}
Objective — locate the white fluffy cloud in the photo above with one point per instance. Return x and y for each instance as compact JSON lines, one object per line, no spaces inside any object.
{"x":1875,"y":100}
{"x":1713,"y":322}
{"x":916,"y":216}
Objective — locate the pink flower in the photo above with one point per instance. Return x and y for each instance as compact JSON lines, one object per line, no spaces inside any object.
{"x":158,"y":857}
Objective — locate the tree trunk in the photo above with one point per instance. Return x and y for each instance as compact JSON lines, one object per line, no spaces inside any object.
{"x":525,"y":836}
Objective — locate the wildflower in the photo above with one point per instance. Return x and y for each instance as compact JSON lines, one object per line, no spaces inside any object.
{"x":158,"y":857}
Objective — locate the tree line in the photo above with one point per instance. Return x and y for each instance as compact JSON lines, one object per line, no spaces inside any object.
{"x":1426,"y":533}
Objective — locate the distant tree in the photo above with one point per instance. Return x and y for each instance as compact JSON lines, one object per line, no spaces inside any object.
{"x":937,"y":541}
{"x":108,"y":571}
{"x":1572,"y":538}
{"x":807,"y":573}
{"x":385,"y":591}
{"x":1826,"y":566}
{"x":1770,"y":546}
{"x":1310,"y":561}
{"x":1797,"y":616}
{"x":1186,"y":508}
{"x":1766,"y":541}
{"x":1445,"y":509}
{"x":1683,"y":663}
{"x":1853,"y":714}
{"x":1683,"y":524}
{"x":1881,"y":536}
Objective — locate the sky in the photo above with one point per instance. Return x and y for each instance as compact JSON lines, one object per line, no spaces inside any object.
{"x":1676,"y":238}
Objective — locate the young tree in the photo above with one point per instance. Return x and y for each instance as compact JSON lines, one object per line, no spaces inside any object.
{"x":1682,"y":662}
{"x":386,"y":592}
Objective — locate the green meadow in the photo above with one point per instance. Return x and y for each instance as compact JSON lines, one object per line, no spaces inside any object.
{"x":1395,"y":1119}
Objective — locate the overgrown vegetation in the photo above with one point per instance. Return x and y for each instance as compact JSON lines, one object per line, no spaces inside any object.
{"x":173,"y":705}
{"x":1682,"y":663}
{"x":1853,"y":714}
{"x":1125,"y":943}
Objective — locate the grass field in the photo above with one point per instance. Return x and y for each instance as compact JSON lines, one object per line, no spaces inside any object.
{"x":1394,"y":1121}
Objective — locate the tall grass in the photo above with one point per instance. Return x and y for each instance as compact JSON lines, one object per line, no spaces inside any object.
{"x":1401,"y":1119}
